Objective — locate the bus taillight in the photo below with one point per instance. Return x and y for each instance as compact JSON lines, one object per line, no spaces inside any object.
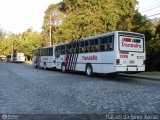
{"x":117,"y":61}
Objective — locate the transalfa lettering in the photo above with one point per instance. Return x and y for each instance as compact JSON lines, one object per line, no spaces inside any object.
{"x":135,"y":45}
{"x":89,"y":57}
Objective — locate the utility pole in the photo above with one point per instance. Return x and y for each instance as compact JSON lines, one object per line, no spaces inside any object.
{"x":50,"y":30}
{"x":12,"y":46}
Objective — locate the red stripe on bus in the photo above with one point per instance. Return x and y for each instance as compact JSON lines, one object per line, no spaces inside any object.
{"x":66,"y":61}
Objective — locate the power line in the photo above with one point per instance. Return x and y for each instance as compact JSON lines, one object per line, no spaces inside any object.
{"x":153,"y":15}
{"x":151,"y":9}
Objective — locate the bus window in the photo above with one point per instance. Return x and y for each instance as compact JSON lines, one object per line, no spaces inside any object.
{"x":96,"y":48}
{"x":86,"y":43}
{"x":102,"y":48}
{"x":109,"y":39}
{"x":83,"y":50}
{"x":96,"y":41}
{"x":50,"y":51}
{"x":58,"y":52}
{"x":103,"y":40}
{"x":82,"y":44}
{"x":86,"y":49}
{"x":92,"y":42}
{"x":109,"y":43}
{"x":91,"y":48}
{"x":77,"y":50}
{"x":110,"y":46}
{"x":77,"y":44}
{"x":62,"y":49}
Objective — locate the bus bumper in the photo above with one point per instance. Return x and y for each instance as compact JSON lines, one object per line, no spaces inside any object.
{"x":130,"y":69}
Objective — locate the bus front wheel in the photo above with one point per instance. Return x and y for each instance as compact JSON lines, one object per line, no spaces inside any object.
{"x":89,"y":70}
{"x":45,"y":67}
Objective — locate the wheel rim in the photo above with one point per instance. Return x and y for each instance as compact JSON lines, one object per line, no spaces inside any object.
{"x":63,"y":68}
{"x":45,"y":66}
{"x":88,"y":70}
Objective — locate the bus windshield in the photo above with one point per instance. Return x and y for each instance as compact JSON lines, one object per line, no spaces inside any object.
{"x":131,"y":44}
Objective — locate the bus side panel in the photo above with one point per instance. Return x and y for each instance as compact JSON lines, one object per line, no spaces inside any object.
{"x":102,"y":62}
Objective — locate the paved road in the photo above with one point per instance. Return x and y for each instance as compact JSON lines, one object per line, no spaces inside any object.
{"x":24,"y":89}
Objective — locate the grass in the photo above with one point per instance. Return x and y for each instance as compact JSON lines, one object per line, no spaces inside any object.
{"x":150,"y":73}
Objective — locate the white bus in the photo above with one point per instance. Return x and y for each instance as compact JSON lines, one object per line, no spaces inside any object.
{"x":113,"y":52}
{"x":44,"y":57}
{"x":18,"y":57}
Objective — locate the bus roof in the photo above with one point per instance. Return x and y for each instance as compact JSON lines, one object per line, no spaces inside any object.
{"x":44,"y":47}
{"x":105,"y":34}
{"x":95,"y":36}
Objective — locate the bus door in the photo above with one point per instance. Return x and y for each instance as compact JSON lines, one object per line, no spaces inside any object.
{"x":57,"y":57}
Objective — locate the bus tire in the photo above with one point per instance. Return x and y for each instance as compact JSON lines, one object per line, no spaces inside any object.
{"x":89,"y":70}
{"x":44,"y":66}
{"x":63,"y":68}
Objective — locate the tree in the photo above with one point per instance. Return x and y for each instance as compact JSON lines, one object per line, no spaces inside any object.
{"x":53,"y":17}
{"x":153,"y":51}
{"x":30,"y":40}
{"x":91,"y":17}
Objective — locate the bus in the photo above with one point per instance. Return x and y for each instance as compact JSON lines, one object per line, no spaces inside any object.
{"x":18,"y":57}
{"x":113,"y":52}
{"x":44,"y":57}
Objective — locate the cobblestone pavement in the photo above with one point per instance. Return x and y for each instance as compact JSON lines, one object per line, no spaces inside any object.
{"x":24,"y":89}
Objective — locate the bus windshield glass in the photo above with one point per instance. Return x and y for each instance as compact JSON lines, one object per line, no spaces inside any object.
{"x":131,"y":44}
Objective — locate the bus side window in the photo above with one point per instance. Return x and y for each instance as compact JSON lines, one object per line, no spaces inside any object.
{"x":92,"y":42}
{"x":86,"y":49}
{"x":57,"y":51}
{"x":102,"y":44}
{"x":109,"y":43}
{"x":47,"y":52}
{"x":91,"y":48}
{"x":102,"y":48}
{"x":96,"y":41}
{"x":103,"y":40}
{"x":81,"y":50}
{"x":96,"y":48}
{"x":82,"y":44}
{"x":62,"y":49}
{"x":86,"y":43}
{"x":50,"y":51}
{"x":76,"y":50}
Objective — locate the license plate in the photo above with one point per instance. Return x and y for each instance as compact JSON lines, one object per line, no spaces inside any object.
{"x":131,"y":62}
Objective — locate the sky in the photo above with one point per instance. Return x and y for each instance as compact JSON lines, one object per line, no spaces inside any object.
{"x":18,"y":15}
{"x":149,"y":8}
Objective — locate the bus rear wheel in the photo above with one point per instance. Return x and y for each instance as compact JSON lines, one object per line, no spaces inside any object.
{"x":89,"y":70}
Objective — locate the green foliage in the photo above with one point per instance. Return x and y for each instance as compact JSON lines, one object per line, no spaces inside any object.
{"x":84,"y":18}
{"x":153,"y":51}
{"x":90,"y":17}
{"x":53,"y":17}
{"x":24,"y":42}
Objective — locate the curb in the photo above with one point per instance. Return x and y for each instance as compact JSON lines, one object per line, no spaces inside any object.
{"x":140,"y":77}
